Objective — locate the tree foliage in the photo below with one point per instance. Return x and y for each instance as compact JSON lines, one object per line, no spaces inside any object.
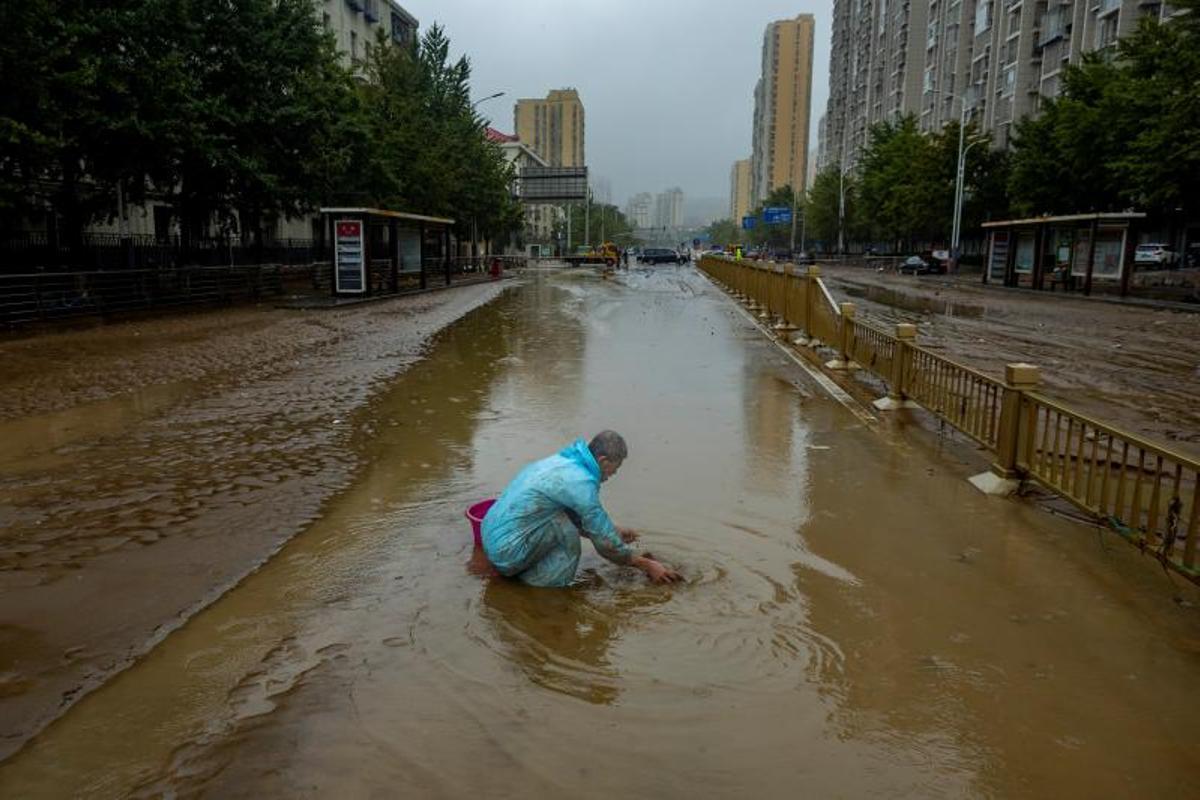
{"x":236,"y":114}
{"x":427,"y":147}
{"x":724,"y":231}
{"x":824,"y":207}
{"x":1124,"y":133}
{"x":903,"y":189}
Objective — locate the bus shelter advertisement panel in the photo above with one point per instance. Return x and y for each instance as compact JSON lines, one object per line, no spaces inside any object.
{"x":348,"y":268}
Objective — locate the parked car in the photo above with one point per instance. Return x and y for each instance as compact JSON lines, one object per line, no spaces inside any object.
{"x":660,"y":255}
{"x":1155,"y":253}
{"x":915,"y":265}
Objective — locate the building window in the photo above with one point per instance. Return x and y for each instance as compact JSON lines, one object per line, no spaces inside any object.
{"x":325,"y":23}
{"x":983,"y":16}
{"x":1008,"y":80}
{"x":353,"y":46}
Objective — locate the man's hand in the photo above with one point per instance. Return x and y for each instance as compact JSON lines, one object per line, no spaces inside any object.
{"x":628,"y":535}
{"x":656,"y":571}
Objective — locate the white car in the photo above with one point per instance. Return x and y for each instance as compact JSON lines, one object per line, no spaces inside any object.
{"x":1154,"y":253}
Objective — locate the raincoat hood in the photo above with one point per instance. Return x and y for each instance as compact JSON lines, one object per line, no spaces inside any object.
{"x":579,"y":453}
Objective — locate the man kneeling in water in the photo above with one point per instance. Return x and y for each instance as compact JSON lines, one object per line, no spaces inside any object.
{"x":532,"y":532}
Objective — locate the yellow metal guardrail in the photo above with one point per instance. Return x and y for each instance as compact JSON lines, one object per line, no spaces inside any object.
{"x":1148,"y":494}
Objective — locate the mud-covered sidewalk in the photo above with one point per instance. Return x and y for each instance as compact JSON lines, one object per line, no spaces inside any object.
{"x":1134,"y":366}
{"x":147,"y":466}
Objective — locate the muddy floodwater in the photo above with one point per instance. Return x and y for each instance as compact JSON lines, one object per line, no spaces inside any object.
{"x":856,"y":620}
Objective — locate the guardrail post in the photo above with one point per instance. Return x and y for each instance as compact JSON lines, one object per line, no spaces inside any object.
{"x":810,"y":278}
{"x":897,"y":396}
{"x":1001,"y":479}
{"x":753,"y":286}
{"x":766,"y":279}
{"x":845,"y":332}
{"x":784,"y":325}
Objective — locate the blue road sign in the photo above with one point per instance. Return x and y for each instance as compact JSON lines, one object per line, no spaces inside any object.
{"x":748,"y":223}
{"x":777,"y":215}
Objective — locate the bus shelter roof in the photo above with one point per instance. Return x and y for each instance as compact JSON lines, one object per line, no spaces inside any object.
{"x":382,"y":212}
{"x":1116,"y":216}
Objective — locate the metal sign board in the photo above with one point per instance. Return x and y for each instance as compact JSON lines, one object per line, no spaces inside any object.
{"x":748,"y":223}
{"x":553,"y":184}
{"x":777,"y":215}
{"x":349,"y":266}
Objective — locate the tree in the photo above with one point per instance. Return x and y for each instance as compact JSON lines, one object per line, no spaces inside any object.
{"x":724,"y":231}
{"x":823,"y":207}
{"x":906,"y":185}
{"x":776,"y":235}
{"x":428,"y":149}
{"x":1124,"y":133}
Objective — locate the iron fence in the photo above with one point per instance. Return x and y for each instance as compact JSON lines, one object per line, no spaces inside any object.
{"x":29,"y":297}
{"x":25,"y":251}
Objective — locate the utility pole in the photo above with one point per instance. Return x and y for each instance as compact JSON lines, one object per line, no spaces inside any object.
{"x":793,"y":246}
{"x":587,"y":218}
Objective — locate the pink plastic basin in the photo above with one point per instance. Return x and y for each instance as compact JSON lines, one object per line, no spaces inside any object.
{"x":476,"y":513}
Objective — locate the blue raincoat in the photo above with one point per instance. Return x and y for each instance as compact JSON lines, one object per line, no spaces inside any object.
{"x":532,"y":532}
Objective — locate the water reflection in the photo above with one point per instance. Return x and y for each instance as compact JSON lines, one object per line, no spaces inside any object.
{"x":562,"y":639}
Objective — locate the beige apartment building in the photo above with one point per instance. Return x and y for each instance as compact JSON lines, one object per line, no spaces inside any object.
{"x":992,"y":61}
{"x":553,"y":127}
{"x":739,"y":190}
{"x":783,"y":108}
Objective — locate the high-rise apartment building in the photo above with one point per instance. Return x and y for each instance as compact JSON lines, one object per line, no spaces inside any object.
{"x":668,"y":209}
{"x":993,"y":61}
{"x":640,"y":210}
{"x":739,"y":190}
{"x":871,"y":75}
{"x":553,"y":127}
{"x":782,"y":108}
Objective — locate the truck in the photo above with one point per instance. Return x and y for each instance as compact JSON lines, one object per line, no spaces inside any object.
{"x":607,"y":254}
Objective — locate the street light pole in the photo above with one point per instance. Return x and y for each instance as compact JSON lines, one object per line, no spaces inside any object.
{"x":959,"y":192}
{"x":793,"y":247}
{"x":474,"y":234}
{"x":485,"y":99}
{"x":958,"y":185}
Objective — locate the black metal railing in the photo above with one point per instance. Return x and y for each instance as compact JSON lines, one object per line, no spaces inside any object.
{"x":36,"y":251}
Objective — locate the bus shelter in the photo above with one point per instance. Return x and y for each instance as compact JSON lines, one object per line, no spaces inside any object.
{"x":1073,"y":252}
{"x":377,"y":251}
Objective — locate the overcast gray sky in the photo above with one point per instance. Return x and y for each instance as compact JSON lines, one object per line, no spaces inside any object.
{"x":667,"y":84}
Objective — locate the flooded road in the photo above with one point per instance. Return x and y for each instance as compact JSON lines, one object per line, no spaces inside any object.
{"x":857,"y":621}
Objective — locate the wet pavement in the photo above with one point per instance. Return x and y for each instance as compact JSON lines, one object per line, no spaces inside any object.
{"x":857,"y":621}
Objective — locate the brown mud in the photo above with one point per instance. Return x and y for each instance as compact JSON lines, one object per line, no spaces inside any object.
{"x":146,"y":466}
{"x":1132,"y":366}
{"x":857,"y":620}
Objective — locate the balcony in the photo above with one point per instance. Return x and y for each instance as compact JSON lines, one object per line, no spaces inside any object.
{"x":1109,"y":6}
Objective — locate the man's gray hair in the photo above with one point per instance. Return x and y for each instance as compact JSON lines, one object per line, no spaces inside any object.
{"x":609,"y":444}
